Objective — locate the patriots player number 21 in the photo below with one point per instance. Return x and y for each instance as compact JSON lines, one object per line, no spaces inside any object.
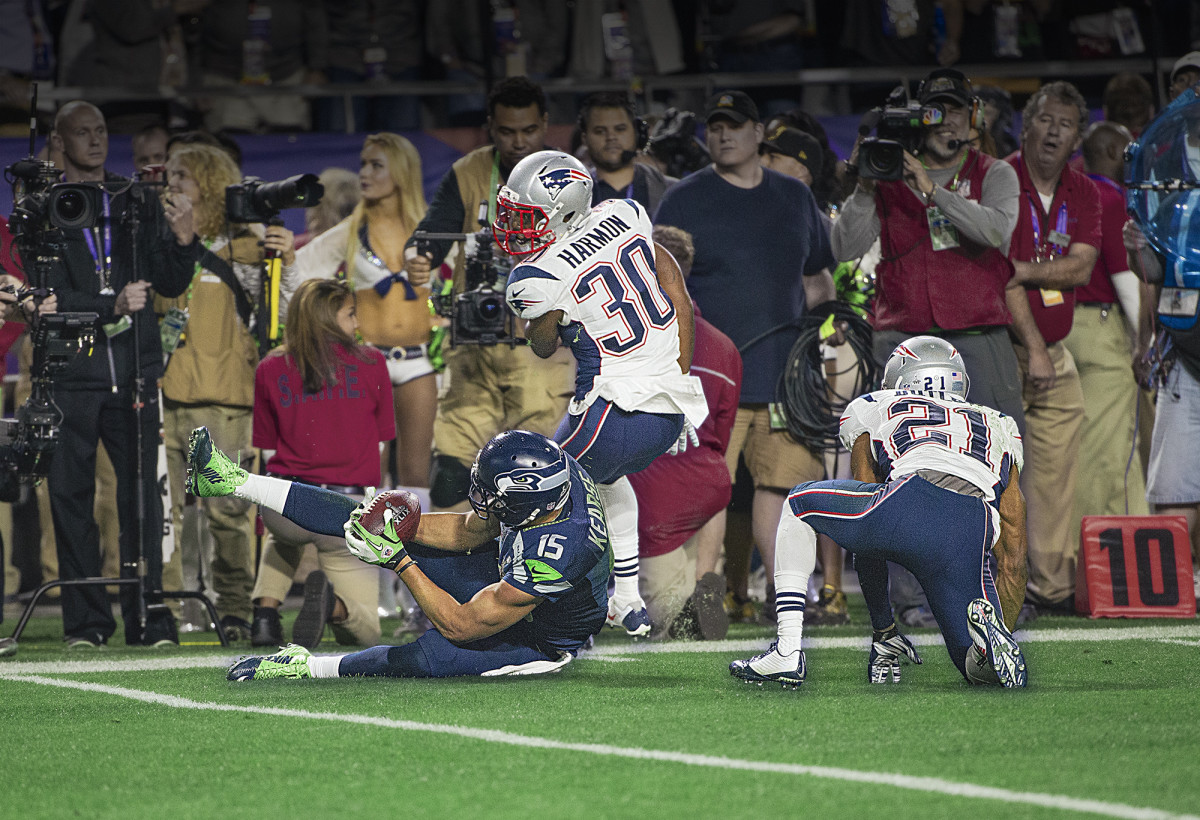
{"x":595,"y":280}
{"x":937,"y":492}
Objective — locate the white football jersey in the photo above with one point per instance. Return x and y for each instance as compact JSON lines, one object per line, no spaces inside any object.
{"x":913,"y":430}
{"x":618,"y":322}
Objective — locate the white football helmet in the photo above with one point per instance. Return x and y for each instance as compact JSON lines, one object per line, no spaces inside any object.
{"x":547,"y":196}
{"x":926,"y":364}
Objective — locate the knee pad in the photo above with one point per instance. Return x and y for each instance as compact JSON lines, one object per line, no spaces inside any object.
{"x":449,"y":481}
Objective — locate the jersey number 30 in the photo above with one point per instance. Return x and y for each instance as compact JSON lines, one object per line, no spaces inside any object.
{"x":633,"y":279}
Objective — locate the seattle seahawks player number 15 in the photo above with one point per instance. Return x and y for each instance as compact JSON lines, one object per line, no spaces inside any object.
{"x":594,"y":279}
{"x":949,"y":503}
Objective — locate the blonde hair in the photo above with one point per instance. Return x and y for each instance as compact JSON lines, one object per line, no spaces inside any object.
{"x":404,"y":166}
{"x":313,"y":332}
{"x":213,"y":171}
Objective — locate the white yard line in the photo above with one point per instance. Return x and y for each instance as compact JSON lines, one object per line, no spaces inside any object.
{"x":922,"y":784}
{"x":1187,"y":634}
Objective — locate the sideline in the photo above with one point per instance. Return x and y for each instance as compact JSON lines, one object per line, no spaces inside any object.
{"x":1185,"y":634}
{"x":923,"y":784}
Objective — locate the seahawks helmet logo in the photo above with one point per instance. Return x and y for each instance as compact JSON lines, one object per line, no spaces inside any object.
{"x":527,"y":480}
{"x":555,"y":181}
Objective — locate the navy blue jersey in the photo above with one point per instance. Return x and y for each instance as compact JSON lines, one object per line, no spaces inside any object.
{"x":567,"y":563}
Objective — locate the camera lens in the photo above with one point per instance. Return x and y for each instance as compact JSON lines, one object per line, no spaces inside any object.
{"x":489,"y":308}
{"x":71,"y":206}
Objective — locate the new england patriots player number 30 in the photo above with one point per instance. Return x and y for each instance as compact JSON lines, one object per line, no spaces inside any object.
{"x":594,"y":279}
{"x":949,"y":503}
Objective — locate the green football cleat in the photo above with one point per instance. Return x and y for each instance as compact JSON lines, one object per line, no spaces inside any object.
{"x":289,"y":662}
{"x":210,"y":473}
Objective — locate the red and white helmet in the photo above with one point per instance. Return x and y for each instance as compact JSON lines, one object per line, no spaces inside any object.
{"x":547,"y":196}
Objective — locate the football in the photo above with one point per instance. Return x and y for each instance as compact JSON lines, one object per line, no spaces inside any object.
{"x":399,"y":506}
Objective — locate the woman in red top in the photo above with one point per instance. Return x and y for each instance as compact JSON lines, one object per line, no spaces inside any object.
{"x":322,"y":408}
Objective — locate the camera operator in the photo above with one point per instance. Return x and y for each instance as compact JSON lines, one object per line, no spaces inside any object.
{"x":98,"y":272}
{"x":212,"y":354}
{"x":944,"y":229}
{"x":614,"y":135}
{"x":487,"y":388}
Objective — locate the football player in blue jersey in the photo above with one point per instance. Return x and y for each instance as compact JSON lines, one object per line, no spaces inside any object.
{"x":595,"y":280}
{"x":522,"y":607}
{"x":946,"y":505}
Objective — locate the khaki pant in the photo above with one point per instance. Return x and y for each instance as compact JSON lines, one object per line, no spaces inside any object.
{"x":1100,"y":344}
{"x":774,"y":459}
{"x":1053,"y":429}
{"x":356,"y":583}
{"x":229,"y":570}
{"x":487,"y":390}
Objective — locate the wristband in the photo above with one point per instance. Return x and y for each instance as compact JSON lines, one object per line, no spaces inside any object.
{"x":399,"y":570}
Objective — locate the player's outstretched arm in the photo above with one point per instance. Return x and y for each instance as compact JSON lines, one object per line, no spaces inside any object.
{"x":1011,"y":574}
{"x":670,"y":279}
{"x":492,"y":609}
{"x":456,"y":532}
{"x":542,"y":333}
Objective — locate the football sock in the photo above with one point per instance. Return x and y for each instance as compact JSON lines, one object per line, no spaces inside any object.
{"x":795,"y":559}
{"x":324,"y":666}
{"x":266,"y":491}
{"x":620,"y":510}
{"x":313,"y":508}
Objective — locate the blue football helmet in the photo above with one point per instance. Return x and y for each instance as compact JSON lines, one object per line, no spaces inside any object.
{"x":926,"y":364}
{"x":519,"y":476}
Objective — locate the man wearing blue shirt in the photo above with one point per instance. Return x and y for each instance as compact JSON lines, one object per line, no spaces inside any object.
{"x":762,"y":261}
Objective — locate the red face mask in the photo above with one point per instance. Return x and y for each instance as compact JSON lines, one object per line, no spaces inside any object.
{"x":521,"y":229}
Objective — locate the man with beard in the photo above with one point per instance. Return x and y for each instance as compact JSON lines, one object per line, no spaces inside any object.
{"x":487,"y":388}
{"x":943,"y":230}
{"x":1054,"y":248}
{"x":613,"y":135}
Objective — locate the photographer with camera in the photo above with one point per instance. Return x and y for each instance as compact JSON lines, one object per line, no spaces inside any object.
{"x":109,"y":269}
{"x":489,"y":386}
{"x":944,"y":213}
{"x":211,"y":356}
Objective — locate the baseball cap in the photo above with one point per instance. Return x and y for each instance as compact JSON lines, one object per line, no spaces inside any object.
{"x":736,"y":105}
{"x":946,"y":84}
{"x":794,"y":143}
{"x":1190,"y":60}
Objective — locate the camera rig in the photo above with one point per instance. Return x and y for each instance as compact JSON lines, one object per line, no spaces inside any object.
{"x":900,"y":125}
{"x":479,"y":314}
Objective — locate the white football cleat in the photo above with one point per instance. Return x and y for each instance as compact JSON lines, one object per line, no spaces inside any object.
{"x":995,"y":643}
{"x":772,"y":667}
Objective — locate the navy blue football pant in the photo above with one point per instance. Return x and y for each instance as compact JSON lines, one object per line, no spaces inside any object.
{"x":610,"y":442}
{"x":460,"y":574}
{"x":432,"y":656}
{"x":942,"y":537}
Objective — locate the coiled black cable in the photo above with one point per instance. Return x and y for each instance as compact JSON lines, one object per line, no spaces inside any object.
{"x":811,"y":407}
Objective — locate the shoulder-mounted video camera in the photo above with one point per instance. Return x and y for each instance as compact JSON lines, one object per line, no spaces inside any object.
{"x":479,"y":314}
{"x":673,"y":142}
{"x":899,"y":126}
{"x":253,"y":200}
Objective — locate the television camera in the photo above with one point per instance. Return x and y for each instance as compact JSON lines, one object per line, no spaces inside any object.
{"x":900,"y":126}
{"x":673,"y":142}
{"x":253,"y":200}
{"x":42,"y":209}
{"x":478,"y":315}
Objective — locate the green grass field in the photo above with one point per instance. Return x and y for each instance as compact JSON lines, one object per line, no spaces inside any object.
{"x":1109,"y":727}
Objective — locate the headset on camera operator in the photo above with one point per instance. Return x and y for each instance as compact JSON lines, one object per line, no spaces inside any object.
{"x":944,"y":215}
{"x":614,"y":135}
{"x":108,"y":266}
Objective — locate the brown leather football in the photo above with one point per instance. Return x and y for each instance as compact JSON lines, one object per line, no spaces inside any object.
{"x":399,"y":506}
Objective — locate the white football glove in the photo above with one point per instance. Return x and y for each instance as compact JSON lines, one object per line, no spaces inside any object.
{"x":385,"y":550}
{"x":686,"y":435}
